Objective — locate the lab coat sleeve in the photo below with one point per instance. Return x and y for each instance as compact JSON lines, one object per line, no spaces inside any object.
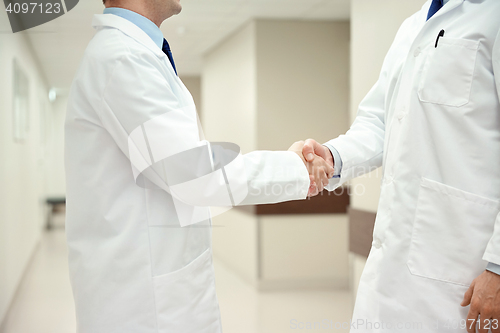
{"x":361,"y":148}
{"x":492,"y":253}
{"x":158,"y":132}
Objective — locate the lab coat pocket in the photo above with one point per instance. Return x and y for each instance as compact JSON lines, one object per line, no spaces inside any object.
{"x":448,"y":72}
{"x":450,"y":233}
{"x":186,"y":300}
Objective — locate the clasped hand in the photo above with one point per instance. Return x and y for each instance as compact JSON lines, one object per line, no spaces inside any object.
{"x":318,"y":161}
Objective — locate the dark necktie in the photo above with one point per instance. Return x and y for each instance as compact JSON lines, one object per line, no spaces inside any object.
{"x":168,"y":52}
{"x":436,"y":5}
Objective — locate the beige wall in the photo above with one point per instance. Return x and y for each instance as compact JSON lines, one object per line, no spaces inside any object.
{"x":302,"y":81}
{"x":270,"y":84}
{"x":228,"y":91}
{"x":311,"y":249}
{"x":229,"y":114}
{"x":193,"y":83}
{"x":236,"y":243}
{"x":22,"y":165}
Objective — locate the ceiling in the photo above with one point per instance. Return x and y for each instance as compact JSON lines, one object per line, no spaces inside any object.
{"x":59,"y":44}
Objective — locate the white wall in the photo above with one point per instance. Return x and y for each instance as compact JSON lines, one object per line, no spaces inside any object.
{"x":56,"y":179}
{"x":22,"y":185}
{"x":22,"y":165}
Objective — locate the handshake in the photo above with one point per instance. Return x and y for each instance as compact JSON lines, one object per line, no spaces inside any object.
{"x":319,"y":163}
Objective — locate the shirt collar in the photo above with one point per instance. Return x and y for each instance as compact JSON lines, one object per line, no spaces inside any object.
{"x":142,"y":22}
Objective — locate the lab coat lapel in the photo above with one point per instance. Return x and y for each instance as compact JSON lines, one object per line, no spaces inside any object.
{"x":130,"y":29}
{"x":451,"y":5}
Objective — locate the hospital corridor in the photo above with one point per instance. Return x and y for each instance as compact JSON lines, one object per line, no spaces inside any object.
{"x":44,"y":303}
{"x":182,"y":166}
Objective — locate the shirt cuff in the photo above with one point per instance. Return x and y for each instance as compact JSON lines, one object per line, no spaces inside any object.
{"x":494,"y":268}
{"x":337,"y":161}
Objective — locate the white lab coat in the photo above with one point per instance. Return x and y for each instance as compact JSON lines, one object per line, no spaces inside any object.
{"x":433,"y":121}
{"x":132,"y":267}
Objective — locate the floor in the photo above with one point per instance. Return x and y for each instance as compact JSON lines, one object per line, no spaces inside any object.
{"x":44,"y":301}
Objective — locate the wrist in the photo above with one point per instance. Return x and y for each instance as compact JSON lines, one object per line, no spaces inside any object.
{"x":329,"y":157}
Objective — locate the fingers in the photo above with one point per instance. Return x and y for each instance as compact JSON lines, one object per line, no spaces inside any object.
{"x":313,"y":189}
{"x":329,"y":171}
{"x":468,"y":295}
{"x":472,"y":317}
{"x":473,"y":311}
{"x":484,"y":324}
{"x":319,"y":169}
{"x":323,"y":176}
{"x":484,"y":299}
{"x":318,"y":178}
{"x":325,"y":169}
{"x":311,"y":148}
{"x":471,"y":321}
{"x":495,"y":325}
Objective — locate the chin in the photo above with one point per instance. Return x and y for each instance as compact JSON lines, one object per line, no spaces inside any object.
{"x":178,"y":8}
{"x":171,"y":8}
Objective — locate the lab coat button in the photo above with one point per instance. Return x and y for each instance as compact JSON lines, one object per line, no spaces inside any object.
{"x":401,"y":115}
{"x":417,"y":52}
{"x":377,"y":243}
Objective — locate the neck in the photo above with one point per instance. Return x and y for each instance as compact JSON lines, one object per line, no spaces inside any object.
{"x":145,"y":8}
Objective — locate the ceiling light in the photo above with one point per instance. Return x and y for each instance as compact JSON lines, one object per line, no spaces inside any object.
{"x":52,"y":95}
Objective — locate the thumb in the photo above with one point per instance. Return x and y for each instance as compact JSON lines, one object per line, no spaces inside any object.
{"x":468,"y":295}
{"x":308,"y":151}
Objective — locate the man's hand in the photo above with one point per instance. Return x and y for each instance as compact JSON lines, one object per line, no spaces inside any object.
{"x":319,"y":170}
{"x":484,"y":299}
{"x":313,"y":148}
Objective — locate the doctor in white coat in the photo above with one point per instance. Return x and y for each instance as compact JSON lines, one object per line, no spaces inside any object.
{"x":433,"y":122}
{"x":137,"y":170}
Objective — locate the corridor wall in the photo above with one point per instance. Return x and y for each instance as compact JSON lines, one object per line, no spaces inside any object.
{"x":22,"y":162}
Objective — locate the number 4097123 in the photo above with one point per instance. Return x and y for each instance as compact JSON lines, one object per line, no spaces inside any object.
{"x":33,"y":8}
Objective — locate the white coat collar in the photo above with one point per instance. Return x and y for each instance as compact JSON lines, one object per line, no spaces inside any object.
{"x":128,"y":28}
{"x":452,"y":4}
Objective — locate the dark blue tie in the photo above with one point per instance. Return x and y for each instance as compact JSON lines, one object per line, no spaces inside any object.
{"x":436,"y":5}
{"x":168,"y":52}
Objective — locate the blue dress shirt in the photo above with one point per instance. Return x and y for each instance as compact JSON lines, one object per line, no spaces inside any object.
{"x":337,"y":160}
{"x":142,"y":22}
